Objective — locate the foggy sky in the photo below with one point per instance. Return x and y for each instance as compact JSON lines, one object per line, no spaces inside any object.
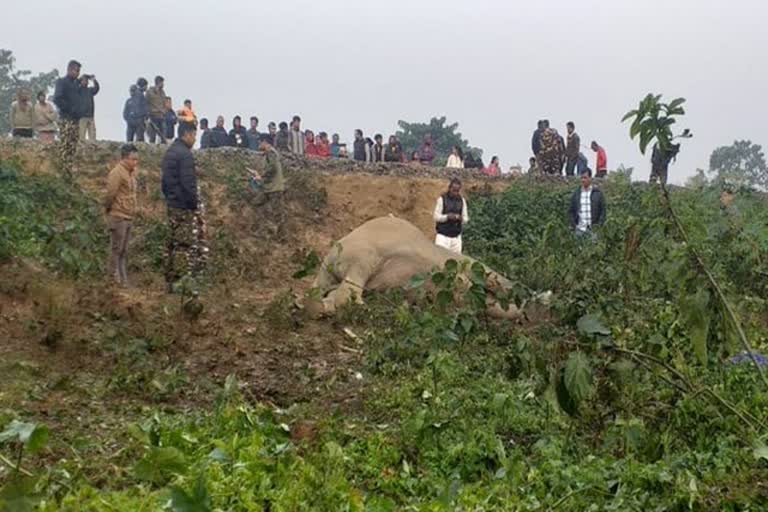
{"x":496,"y":67}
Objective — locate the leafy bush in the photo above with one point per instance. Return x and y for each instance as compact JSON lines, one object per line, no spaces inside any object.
{"x":45,"y":218}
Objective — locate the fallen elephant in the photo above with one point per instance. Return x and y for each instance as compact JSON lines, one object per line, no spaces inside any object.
{"x":386,"y":253}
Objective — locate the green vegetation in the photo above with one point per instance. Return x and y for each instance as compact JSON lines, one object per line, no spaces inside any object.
{"x":46,"y":219}
{"x":620,"y":397}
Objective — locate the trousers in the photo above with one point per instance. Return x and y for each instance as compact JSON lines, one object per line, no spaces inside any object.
{"x":187,"y":250}
{"x":453,"y":244}
{"x":87,"y":129}
{"x":67,"y":148}
{"x":119,"y":235}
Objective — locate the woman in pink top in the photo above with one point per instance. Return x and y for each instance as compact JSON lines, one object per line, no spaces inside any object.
{"x":493,"y":168}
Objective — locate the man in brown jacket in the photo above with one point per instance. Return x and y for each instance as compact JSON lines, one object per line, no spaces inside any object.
{"x":120,"y":204}
{"x":156,"y":100}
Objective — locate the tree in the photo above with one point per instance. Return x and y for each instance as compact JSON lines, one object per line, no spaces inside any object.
{"x":654,"y":120}
{"x":741,"y":164}
{"x":444,"y":137}
{"x":12,"y":79}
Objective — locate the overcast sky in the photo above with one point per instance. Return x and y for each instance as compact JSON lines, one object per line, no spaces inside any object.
{"x":495,"y":67}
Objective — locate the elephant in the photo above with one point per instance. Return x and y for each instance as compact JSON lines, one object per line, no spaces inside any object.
{"x":386,"y":253}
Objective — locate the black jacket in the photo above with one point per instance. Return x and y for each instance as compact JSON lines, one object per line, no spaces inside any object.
{"x":238,"y":137}
{"x":598,"y":207}
{"x":219,"y":138}
{"x":67,"y":98}
{"x":179,"y":177}
{"x":86,"y":99}
{"x":205,"y":139}
{"x":536,"y":141}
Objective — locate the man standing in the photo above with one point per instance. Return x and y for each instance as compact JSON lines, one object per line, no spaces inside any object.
{"x":135,"y":115}
{"x":272,"y":127}
{"x":551,"y":153}
{"x":205,"y":138}
{"x":120,"y":205}
{"x":660,"y":160}
{"x":179,"y":186}
{"x":87,"y":123}
{"x":23,"y":115}
{"x":450,"y":216}
{"x":571,"y":148}
{"x":361,"y":148}
{"x":273,"y":185}
{"x":238,"y":136}
{"x":338,"y":150}
{"x":156,"y":100}
{"x":283,"y":138}
{"x":378,"y":148}
{"x":67,"y":98}
{"x":254,"y":137}
{"x":394,"y":150}
{"x":186,"y":114}
{"x":587,"y":206}
{"x":219,"y":135}
{"x":601,"y":163}
{"x":297,"y":137}
{"x":45,"y":119}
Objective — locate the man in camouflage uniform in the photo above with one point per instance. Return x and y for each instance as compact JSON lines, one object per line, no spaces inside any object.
{"x":551,"y":155}
{"x":186,"y":240}
{"x":67,"y":99}
{"x":273,"y":186}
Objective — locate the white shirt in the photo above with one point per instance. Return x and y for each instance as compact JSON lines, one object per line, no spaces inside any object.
{"x":454,"y":162}
{"x":440,"y":217}
{"x":585,"y":210}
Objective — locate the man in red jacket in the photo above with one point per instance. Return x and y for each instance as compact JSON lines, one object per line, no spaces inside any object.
{"x":601,"y":165}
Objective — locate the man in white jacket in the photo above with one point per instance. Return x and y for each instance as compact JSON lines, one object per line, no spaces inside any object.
{"x":450,"y":216}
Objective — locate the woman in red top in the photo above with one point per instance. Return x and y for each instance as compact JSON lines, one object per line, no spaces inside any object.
{"x":493,"y":168}
{"x":323,"y":146}
{"x":310,"y":148}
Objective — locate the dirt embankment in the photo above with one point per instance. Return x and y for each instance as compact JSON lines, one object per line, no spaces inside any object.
{"x":79,"y":330}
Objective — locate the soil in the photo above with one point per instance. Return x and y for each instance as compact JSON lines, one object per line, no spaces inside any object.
{"x":60,"y":334}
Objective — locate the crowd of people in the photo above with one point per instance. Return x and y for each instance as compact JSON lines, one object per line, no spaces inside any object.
{"x":552,"y":154}
{"x":150,"y":116}
{"x":149,"y":111}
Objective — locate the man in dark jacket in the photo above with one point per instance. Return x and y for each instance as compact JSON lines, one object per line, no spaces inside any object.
{"x":186,"y":226}
{"x":283,"y":138}
{"x":378,"y":148}
{"x":238,"y":135}
{"x":361,"y":148}
{"x":587,"y":206}
{"x":67,"y":99}
{"x":572,"y":149}
{"x":219,"y":136}
{"x":135,"y":114}
{"x":254,"y":137}
{"x":86,"y":124}
{"x":205,"y":138}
